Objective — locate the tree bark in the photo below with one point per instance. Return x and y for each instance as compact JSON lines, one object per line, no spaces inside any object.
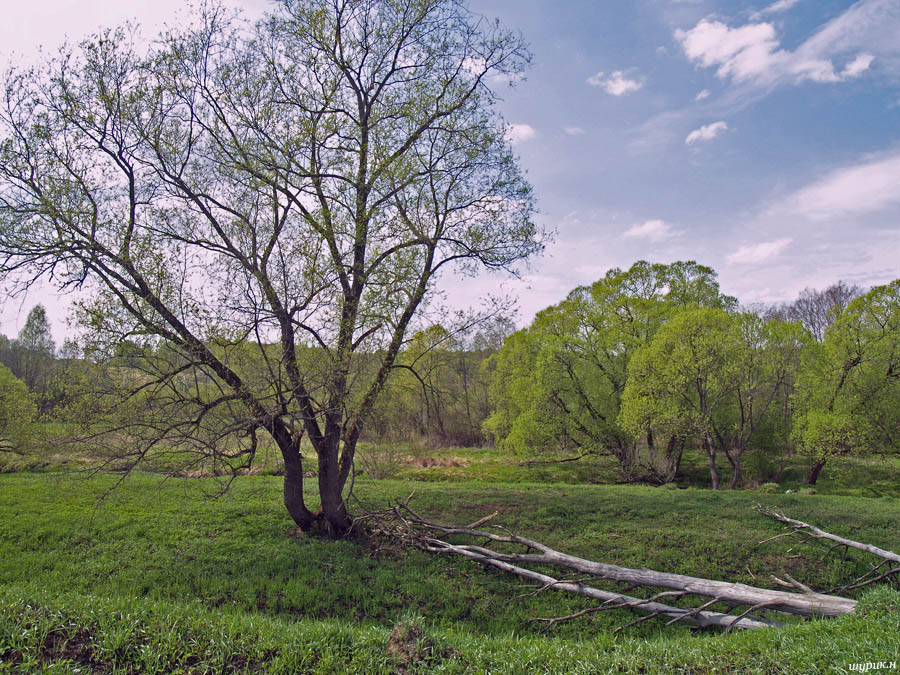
{"x":617,"y":600}
{"x":293,"y":488}
{"x":814,"y":470}
{"x":736,"y":475}
{"x":713,"y":471}
{"x":674,"y":452}
{"x":334,"y":511}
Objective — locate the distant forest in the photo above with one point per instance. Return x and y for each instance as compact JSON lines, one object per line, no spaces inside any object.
{"x":642,"y":365}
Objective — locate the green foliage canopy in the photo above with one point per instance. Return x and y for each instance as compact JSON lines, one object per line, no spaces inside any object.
{"x":712,"y":376}
{"x":560,"y":381}
{"x":848,"y":391}
{"x":17,"y":411}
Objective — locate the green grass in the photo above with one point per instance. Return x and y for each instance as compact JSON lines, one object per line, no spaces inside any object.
{"x":157,"y":577}
{"x":868,"y":476}
{"x":90,"y":633}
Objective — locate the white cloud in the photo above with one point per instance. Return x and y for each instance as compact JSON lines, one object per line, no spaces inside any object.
{"x":858,"y":65}
{"x":757,"y":253}
{"x":702,"y":95}
{"x":616,"y":83}
{"x":519,"y":133}
{"x":573,"y":131}
{"x":867,"y":187}
{"x":474,"y":66}
{"x":738,"y":53}
{"x":706,"y":133}
{"x":777,"y":7}
{"x":752,"y":53}
{"x":654,"y":230}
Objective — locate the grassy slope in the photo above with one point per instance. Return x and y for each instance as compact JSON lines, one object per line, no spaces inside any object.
{"x":114,"y":579}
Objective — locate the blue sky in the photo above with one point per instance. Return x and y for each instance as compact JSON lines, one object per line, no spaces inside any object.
{"x":760,"y":138}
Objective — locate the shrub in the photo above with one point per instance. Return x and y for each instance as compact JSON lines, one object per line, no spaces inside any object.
{"x":17,"y":412}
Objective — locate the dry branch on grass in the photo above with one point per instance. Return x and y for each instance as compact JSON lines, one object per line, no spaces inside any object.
{"x":888,"y":567}
{"x":813,"y":531}
{"x":401,"y":524}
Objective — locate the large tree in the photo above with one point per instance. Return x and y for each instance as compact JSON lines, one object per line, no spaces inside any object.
{"x":713,"y":377}
{"x":560,"y":381}
{"x":297,"y":185}
{"x":816,"y":309}
{"x":848,"y":391}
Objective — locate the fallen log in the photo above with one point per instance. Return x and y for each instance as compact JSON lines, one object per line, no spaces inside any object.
{"x":403,"y":524}
{"x":805,"y":604}
{"x":697,"y":617}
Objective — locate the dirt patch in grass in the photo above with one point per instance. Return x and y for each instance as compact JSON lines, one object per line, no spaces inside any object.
{"x":403,"y":645}
{"x":408,"y":646}
{"x":77,"y":648}
{"x":428,"y":461}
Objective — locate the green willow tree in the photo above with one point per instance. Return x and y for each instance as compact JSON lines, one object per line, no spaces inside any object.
{"x":298,"y":185}
{"x":848,"y":392}
{"x":560,"y":381}
{"x":713,"y":377}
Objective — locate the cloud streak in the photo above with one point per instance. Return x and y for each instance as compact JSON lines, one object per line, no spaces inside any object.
{"x":757,"y":253}
{"x":653,"y":230}
{"x":706,"y":133}
{"x":866,"y":187}
{"x":778,"y":7}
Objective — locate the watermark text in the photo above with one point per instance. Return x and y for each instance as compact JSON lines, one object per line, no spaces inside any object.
{"x":873,"y":665}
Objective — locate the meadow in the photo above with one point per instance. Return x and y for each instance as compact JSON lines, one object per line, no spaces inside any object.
{"x":158,"y":574}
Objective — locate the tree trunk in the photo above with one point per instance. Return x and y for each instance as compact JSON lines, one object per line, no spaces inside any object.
{"x":617,"y":600}
{"x":334,"y":511}
{"x":814,"y":470}
{"x":807,"y":603}
{"x":674,"y":451}
{"x":293,"y":481}
{"x":736,"y":475}
{"x":711,"y":453}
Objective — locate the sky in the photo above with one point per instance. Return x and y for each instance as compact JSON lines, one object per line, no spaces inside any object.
{"x":759,"y":138}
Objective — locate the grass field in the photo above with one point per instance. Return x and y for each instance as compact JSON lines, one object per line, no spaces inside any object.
{"x":156,"y":576}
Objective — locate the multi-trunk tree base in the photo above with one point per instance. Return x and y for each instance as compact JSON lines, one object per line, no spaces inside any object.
{"x":522,"y":557}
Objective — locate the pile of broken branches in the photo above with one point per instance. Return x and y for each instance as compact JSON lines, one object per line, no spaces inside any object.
{"x":499,"y":548}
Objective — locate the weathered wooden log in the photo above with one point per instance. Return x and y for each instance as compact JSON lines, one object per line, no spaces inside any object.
{"x":805,"y":604}
{"x":612,"y":600}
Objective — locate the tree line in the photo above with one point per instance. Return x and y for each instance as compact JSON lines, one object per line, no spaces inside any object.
{"x":652,"y":360}
{"x":641,"y":365}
